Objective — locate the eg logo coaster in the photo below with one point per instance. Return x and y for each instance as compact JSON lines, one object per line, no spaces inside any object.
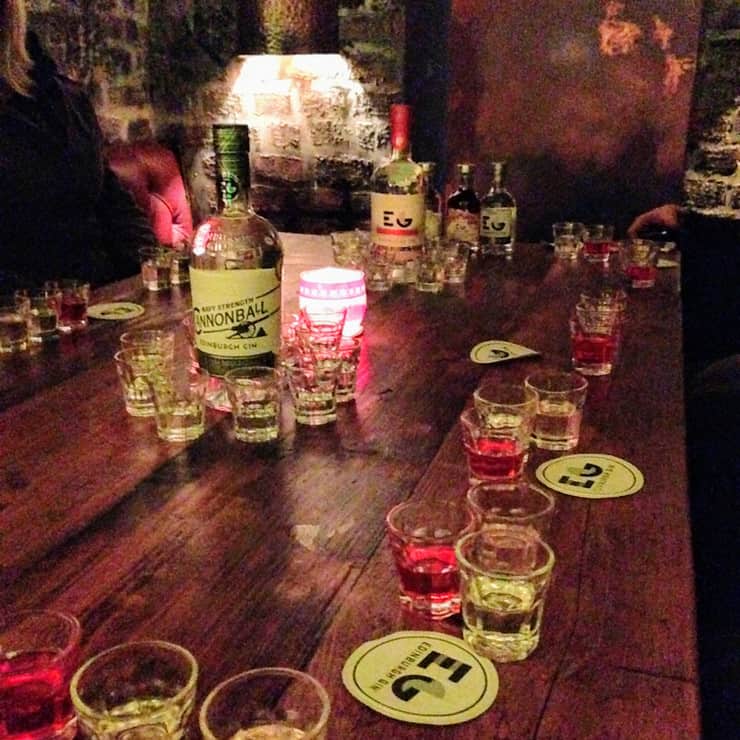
{"x":496,"y":350}
{"x":591,"y":475}
{"x":422,"y":677}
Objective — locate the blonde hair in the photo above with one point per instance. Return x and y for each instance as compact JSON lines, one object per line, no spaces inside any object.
{"x":15,"y":63}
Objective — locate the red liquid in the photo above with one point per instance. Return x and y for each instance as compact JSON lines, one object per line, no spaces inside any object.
{"x":428,"y":572}
{"x":642,"y":275}
{"x":34,"y":696}
{"x":73,"y":310}
{"x":593,"y":349}
{"x":495,"y":459}
{"x":598,"y":250}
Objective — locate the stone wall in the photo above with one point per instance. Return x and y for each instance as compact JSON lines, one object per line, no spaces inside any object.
{"x":712,"y":181}
{"x":169,"y":69}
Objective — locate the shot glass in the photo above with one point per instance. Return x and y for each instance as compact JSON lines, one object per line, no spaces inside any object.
{"x":136,"y":367}
{"x":640,"y":261}
{"x":516,"y":504}
{"x":42,"y":316}
{"x":179,"y":401}
{"x":567,"y":239}
{"x":430,"y":270}
{"x":597,"y":242}
{"x":320,"y":330}
{"x":254,"y":393}
{"x":13,"y":326}
{"x":560,"y":400}
{"x":347,"y":247}
{"x":455,"y":255}
{"x":313,"y":389}
{"x":161,"y":341}
{"x":595,"y":335}
{"x":136,"y":690}
{"x":348,"y":354}
{"x":422,"y":536}
{"x":180,"y":268}
{"x":39,"y":652}
{"x":266,"y":703}
{"x":54,"y":288}
{"x":504,"y":576}
{"x":378,"y":267}
{"x":156,"y":266}
{"x":75,"y":296}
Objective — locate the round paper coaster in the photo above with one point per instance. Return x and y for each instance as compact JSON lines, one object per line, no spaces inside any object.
{"x":426,"y":678}
{"x":591,"y":475}
{"x":497,"y":350}
{"x":117,"y":311}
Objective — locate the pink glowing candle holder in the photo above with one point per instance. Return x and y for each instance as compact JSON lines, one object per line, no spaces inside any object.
{"x":335,"y":288}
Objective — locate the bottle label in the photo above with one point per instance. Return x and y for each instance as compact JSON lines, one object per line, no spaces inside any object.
{"x":236,"y":316}
{"x":497,"y":222}
{"x":432,"y":224}
{"x":397,"y":222}
{"x":462,"y":225}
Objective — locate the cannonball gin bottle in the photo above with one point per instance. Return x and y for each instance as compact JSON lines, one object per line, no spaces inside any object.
{"x":235,"y":272}
{"x":397,"y":200}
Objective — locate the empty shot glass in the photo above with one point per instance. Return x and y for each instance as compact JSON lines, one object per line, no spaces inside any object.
{"x":430,"y":269}
{"x":136,"y":367}
{"x":455,"y":255}
{"x":378,"y":266}
{"x":518,"y":503}
{"x":254,"y":393}
{"x":39,"y":653}
{"x":13,"y":326}
{"x":136,"y":690}
{"x":348,"y":354}
{"x":640,"y":261}
{"x":179,"y":401}
{"x":504,"y":576}
{"x":422,"y":536}
{"x":560,"y":400}
{"x":42,"y":316}
{"x":266,"y":703}
{"x":156,"y":267}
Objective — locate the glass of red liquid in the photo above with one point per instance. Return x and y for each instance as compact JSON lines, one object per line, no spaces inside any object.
{"x":595,"y":335}
{"x":598,"y":242}
{"x":75,"y":296}
{"x":422,"y":536}
{"x":39,"y":652}
{"x":640,"y":262}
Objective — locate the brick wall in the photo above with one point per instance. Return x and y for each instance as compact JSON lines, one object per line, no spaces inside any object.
{"x":712,"y":181}
{"x":169,"y":69}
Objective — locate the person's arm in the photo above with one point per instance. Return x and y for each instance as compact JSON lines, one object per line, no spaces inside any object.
{"x":667,"y":216}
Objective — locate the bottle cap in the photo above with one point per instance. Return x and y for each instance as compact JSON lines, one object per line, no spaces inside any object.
{"x":400,"y":126}
{"x":466,"y":168}
{"x":230,"y":138}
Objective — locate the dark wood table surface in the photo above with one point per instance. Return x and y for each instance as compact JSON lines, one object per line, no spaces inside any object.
{"x":251,"y":557}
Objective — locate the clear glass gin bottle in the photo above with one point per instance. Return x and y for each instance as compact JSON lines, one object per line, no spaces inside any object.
{"x":397,"y":200}
{"x":432,"y":203}
{"x":498,"y":216}
{"x":235,"y":272}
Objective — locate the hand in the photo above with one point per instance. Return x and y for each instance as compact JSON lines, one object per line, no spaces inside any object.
{"x":666,"y":216}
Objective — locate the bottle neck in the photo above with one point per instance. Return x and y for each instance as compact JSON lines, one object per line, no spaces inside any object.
{"x":233,"y":183}
{"x":466,"y":181}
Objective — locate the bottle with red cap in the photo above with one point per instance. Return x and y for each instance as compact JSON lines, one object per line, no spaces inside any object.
{"x":397,"y":200}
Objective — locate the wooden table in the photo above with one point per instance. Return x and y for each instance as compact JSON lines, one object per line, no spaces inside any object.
{"x":252,"y":557}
